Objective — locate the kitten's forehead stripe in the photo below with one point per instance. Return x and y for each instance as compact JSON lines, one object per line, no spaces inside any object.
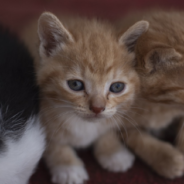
{"x":96,"y":45}
{"x":109,"y":69}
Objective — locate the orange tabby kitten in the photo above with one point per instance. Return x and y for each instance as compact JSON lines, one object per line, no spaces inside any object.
{"x":160,"y":65}
{"x":86,"y":77}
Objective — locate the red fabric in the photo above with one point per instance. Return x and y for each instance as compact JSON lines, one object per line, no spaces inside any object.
{"x":139,"y":174}
{"x":15,"y":14}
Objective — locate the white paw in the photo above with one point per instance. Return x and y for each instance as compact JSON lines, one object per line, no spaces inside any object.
{"x":120,"y":161}
{"x":69,"y":175}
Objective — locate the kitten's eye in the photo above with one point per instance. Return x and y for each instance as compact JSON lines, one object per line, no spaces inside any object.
{"x":117,"y":87}
{"x":76,"y":85}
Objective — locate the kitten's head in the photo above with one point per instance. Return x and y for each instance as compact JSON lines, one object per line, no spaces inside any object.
{"x":85,"y":69}
{"x":160,"y":64}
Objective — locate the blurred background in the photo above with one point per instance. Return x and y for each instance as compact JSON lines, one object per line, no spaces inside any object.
{"x":17,"y":13}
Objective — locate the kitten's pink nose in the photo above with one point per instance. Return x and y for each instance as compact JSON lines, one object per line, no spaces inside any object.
{"x":97,"y":110}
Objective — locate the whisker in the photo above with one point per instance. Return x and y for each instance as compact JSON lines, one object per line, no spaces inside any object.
{"x":136,"y":107}
{"x":59,"y":127}
{"x":113,"y":120}
{"x":121,"y":131}
{"x":124,"y":127}
{"x":59,"y":100}
{"x":47,"y":109}
{"x":127,"y":118}
{"x":130,"y":118}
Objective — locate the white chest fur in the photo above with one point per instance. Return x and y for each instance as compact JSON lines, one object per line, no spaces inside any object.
{"x":82,"y":133}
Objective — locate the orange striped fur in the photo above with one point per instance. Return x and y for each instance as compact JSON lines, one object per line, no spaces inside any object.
{"x":89,"y":51}
{"x":160,"y":65}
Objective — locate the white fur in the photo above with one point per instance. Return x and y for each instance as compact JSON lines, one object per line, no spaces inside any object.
{"x":83,"y":132}
{"x":120,"y":161}
{"x":17,"y":163}
{"x":69,"y":175}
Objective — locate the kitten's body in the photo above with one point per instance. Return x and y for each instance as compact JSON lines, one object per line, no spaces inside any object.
{"x":150,"y":115}
{"x":160,"y":65}
{"x":21,"y":136}
{"x":87,"y":51}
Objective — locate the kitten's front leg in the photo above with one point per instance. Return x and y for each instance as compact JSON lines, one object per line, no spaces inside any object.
{"x":64,"y":165}
{"x":111,"y":154}
{"x":166,"y":160}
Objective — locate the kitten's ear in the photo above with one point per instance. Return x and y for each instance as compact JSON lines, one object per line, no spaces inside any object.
{"x":52,"y":34}
{"x":130,"y":37}
{"x":162,"y":58}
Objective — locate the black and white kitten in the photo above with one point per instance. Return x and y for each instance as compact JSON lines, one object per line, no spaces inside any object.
{"x":22,"y":140}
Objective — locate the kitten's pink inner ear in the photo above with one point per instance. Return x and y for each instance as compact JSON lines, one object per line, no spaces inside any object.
{"x":129,"y":38}
{"x":52,"y":34}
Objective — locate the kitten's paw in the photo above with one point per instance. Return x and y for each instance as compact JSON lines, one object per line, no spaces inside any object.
{"x":171,"y":165}
{"x":120,"y":161}
{"x":69,"y":175}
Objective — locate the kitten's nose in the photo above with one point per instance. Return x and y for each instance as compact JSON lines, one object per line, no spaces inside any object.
{"x":97,"y":110}
{"x":97,"y":104}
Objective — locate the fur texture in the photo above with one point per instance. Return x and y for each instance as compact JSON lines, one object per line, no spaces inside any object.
{"x":160,"y":65}
{"x":19,"y":158}
{"x":87,"y":51}
{"x":21,"y":136}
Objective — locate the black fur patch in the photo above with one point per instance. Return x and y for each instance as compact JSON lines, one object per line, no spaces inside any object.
{"x":18,"y":89}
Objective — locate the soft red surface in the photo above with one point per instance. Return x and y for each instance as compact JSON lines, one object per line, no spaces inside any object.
{"x":139,"y":174}
{"x":15,"y":14}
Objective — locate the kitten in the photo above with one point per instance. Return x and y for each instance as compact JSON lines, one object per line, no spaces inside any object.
{"x":86,"y":77}
{"x":160,"y":65}
{"x":21,"y":136}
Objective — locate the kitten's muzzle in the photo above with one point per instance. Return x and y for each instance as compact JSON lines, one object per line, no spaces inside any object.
{"x":96,"y":110}
{"x":97,"y":104}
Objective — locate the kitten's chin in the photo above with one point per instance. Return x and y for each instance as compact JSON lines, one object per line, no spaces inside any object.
{"x":94,"y":117}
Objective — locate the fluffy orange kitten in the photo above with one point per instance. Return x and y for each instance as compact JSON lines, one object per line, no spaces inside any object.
{"x":87,"y":80}
{"x":160,"y":65}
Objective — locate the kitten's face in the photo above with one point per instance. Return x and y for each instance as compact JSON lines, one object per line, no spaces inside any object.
{"x":87,"y":80}
{"x":92,"y":76}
